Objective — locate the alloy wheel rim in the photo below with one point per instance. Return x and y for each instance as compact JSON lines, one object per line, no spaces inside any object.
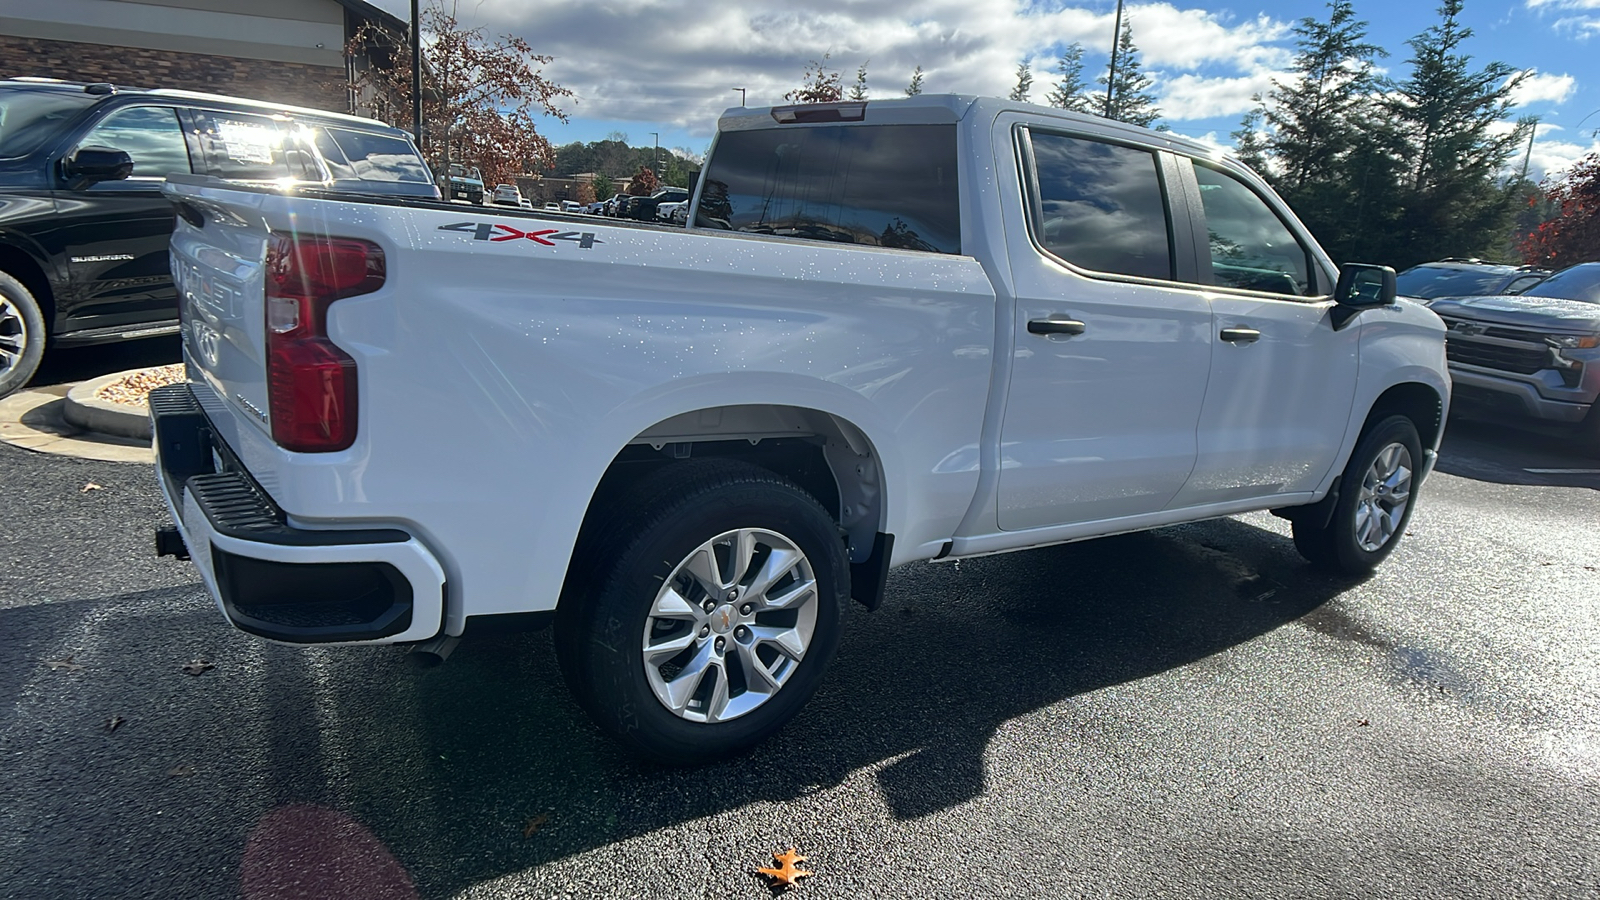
{"x":730,"y":626}
{"x":13,"y":335}
{"x":1384,"y":497}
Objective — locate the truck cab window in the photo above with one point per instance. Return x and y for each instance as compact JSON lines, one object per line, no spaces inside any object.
{"x":881,"y":185}
{"x":1251,"y":248}
{"x":1101,"y":207}
{"x":149,"y":134}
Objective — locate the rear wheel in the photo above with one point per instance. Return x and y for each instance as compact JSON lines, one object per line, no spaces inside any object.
{"x":22,"y":335}
{"x":1377,"y":495}
{"x":716,"y":608}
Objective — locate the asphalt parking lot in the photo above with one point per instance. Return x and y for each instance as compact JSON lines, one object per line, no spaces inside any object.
{"x":1190,"y":712}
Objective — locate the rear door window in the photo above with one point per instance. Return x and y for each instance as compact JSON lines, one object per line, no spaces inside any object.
{"x":880,"y":185}
{"x":252,"y":148}
{"x":1101,"y":206}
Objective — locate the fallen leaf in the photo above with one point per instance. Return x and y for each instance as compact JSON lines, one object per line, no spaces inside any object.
{"x":115,"y":722}
{"x":91,"y":486}
{"x":64,"y":664}
{"x":197,"y":666}
{"x":180,"y":771}
{"x":1363,"y":723}
{"x":786,"y":874}
{"x":529,"y":826}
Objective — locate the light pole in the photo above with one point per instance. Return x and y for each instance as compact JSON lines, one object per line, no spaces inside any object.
{"x":741,"y":95}
{"x":657,"y":156}
{"x":416,"y":69}
{"x":1111,"y":75}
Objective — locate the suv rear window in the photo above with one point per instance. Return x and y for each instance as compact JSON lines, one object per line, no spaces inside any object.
{"x":242,"y":147}
{"x":370,"y":157}
{"x":881,"y":185}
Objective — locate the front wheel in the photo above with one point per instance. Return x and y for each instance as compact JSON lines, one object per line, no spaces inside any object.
{"x":717,"y":608}
{"x":1377,"y":496}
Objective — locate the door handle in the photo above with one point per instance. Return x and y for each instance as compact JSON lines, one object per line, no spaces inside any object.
{"x":1055,"y":326}
{"x":1241,"y":335}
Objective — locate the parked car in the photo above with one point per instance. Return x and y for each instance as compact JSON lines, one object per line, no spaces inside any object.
{"x":1465,"y":278}
{"x":609,"y":206}
{"x":644,"y":208}
{"x":83,"y":224}
{"x":507,"y":195}
{"x":1535,"y":355}
{"x":676,"y":212}
{"x":466,"y":184}
{"x":933,"y":327}
{"x":571,"y":206}
{"x":525,"y":203}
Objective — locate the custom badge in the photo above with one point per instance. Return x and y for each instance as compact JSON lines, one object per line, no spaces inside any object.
{"x":500,"y":232}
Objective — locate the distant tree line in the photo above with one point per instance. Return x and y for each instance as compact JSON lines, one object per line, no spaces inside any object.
{"x":614,"y":160}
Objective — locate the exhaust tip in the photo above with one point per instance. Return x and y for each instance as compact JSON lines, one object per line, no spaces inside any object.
{"x":431,"y":654}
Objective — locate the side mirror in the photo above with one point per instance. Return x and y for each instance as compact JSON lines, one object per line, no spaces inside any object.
{"x":1364,"y":286}
{"x":90,"y":165}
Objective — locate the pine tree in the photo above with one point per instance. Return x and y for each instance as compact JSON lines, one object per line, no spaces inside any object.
{"x":1447,"y":115}
{"x":1247,"y":141}
{"x":1024,"y":82}
{"x":858,"y":91}
{"x":1130,"y":100}
{"x":1317,"y":117}
{"x":1068,"y":93}
{"x":915,"y":87}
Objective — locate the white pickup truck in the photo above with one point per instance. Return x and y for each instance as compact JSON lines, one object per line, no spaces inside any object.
{"x":894,"y":331}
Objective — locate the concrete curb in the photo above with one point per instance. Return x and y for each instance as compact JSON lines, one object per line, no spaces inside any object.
{"x":86,"y":410}
{"x":32,"y":420}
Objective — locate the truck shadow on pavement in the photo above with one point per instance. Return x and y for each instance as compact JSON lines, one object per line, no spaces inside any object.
{"x":485,"y":767}
{"x":918,"y":692}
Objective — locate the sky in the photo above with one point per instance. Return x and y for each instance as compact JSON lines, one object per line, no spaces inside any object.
{"x":670,"y":67}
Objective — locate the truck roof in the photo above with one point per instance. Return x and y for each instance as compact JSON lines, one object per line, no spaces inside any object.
{"x":936,"y":109}
{"x":105,"y":89}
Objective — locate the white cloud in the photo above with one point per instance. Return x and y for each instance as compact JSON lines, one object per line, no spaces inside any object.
{"x":1199,"y":97}
{"x":1540,"y":87}
{"x":1553,"y":157}
{"x":1584,"y":23}
{"x":673,"y":63}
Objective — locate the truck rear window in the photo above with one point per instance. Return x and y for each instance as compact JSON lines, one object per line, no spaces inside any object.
{"x":881,"y":185}
{"x":370,"y":157}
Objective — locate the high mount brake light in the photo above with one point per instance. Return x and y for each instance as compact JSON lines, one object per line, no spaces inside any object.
{"x":819,"y":112}
{"x":311,"y":382}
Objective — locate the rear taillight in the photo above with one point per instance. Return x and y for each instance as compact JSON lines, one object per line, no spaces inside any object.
{"x":311,"y":383}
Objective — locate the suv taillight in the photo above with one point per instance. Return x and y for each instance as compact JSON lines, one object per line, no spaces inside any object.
{"x":311,"y":383}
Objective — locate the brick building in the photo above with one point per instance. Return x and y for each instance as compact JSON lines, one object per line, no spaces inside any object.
{"x":281,"y":51}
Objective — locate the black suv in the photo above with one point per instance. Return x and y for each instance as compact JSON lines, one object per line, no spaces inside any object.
{"x":84,"y":226}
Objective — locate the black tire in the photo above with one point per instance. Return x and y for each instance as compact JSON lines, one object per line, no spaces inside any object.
{"x":1335,"y":547}
{"x":627,"y":561}
{"x":22,"y":335}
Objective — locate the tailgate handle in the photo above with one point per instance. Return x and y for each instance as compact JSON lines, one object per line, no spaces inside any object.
{"x":1241,"y":335}
{"x":1055,"y":326}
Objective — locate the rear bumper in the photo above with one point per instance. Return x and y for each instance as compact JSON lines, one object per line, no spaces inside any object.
{"x":270,"y":578}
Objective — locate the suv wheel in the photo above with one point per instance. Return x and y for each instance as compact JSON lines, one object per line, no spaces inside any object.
{"x":1377,"y":496}
{"x":22,"y":334}
{"x":716,"y":607}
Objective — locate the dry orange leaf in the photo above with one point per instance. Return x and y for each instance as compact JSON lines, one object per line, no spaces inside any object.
{"x":786,"y":874}
{"x":532,"y":825}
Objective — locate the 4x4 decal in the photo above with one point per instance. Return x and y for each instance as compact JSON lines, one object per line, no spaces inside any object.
{"x":498,"y":231}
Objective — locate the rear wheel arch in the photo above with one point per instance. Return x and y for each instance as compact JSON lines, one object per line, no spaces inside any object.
{"x":824,"y":454}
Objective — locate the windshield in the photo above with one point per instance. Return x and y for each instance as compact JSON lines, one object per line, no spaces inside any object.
{"x":1580,"y":282}
{"x":27,"y":118}
{"x":1428,"y":282}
